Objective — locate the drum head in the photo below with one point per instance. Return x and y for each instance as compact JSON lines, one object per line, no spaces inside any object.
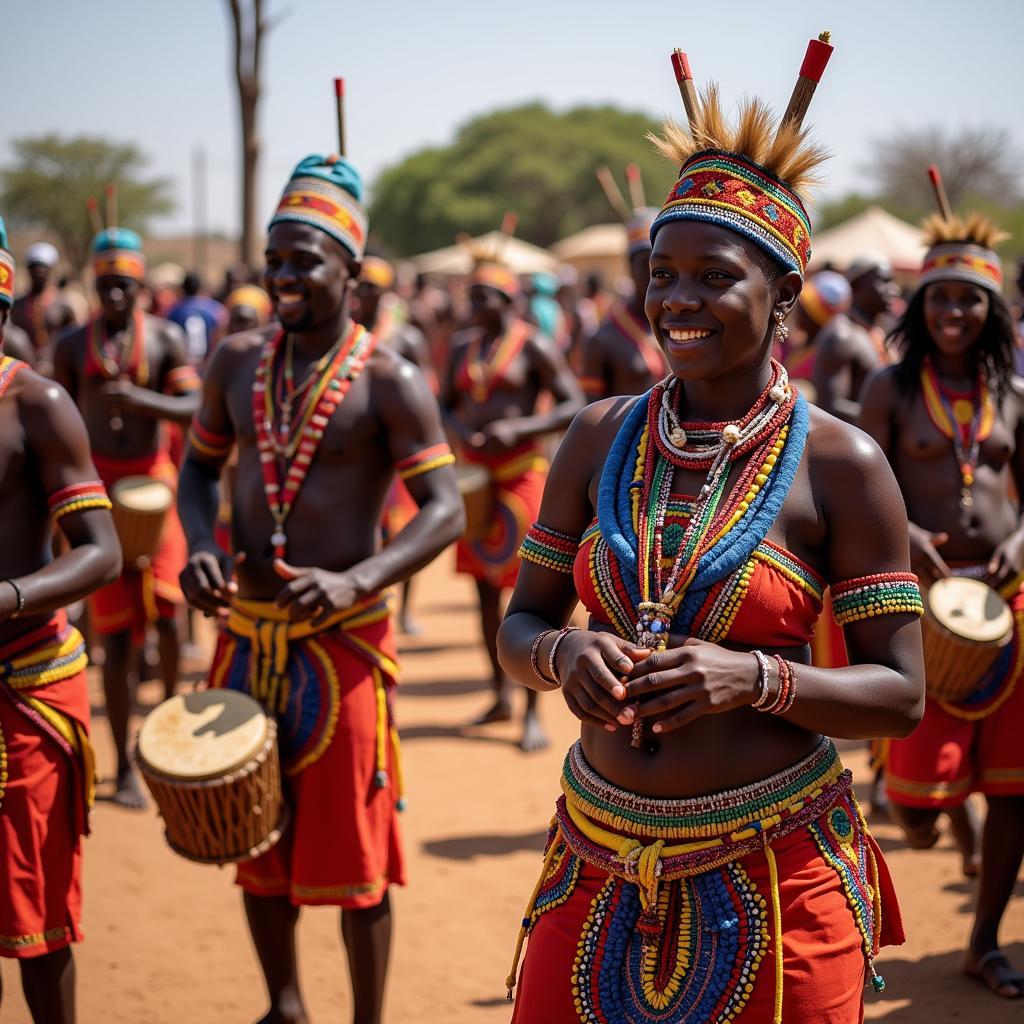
{"x":472,"y":478}
{"x":970,"y":609}
{"x":142,"y":494}
{"x":202,"y":735}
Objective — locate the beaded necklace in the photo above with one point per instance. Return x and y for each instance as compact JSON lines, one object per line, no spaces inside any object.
{"x":127,"y":360}
{"x":294,"y":450}
{"x":484,"y":374}
{"x":966,"y":419}
{"x":725,"y":524}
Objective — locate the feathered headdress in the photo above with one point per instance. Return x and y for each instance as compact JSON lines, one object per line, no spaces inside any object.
{"x":960,"y":248}
{"x":751,"y":176}
{"x":638,"y":219}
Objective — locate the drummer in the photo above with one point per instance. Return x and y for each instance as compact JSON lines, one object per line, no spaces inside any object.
{"x":500,"y":368}
{"x":46,"y":762}
{"x":309,"y":633}
{"x":129,"y":374}
{"x":950,"y":416}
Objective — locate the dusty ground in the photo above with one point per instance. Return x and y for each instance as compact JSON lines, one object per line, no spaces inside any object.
{"x":166,"y":942}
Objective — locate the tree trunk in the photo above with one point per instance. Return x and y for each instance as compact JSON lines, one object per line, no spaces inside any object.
{"x":248,"y":37}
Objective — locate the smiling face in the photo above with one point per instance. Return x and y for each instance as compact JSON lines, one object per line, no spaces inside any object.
{"x":711,"y":300}
{"x":308,"y":275}
{"x":955,"y":313}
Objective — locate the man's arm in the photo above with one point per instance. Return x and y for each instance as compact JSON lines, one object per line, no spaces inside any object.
{"x":449,"y":396}
{"x":179,"y":399}
{"x":59,"y":445}
{"x":839,"y":350}
{"x":594,"y":379}
{"x":557,"y":377}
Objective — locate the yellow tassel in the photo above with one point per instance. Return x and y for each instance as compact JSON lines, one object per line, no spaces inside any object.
{"x":510,"y":981}
{"x":773,"y":875}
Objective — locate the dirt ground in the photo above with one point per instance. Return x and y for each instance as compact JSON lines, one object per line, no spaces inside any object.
{"x":166,"y":940}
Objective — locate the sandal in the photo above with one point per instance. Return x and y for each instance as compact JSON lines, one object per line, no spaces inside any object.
{"x":996,"y":973}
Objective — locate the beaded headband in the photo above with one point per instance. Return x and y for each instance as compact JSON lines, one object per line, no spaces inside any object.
{"x":748,"y":178}
{"x":117,"y":252}
{"x":824,"y":295}
{"x":6,"y":278}
{"x":313,"y":201}
{"x":378,"y":272}
{"x":723,"y":188}
{"x":960,"y":249}
{"x":493,"y":275}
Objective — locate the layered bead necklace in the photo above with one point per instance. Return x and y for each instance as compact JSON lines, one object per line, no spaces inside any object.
{"x":721,"y":529}
{"x":967,"y":420}
{"x":290,"y":421}
{"x":484,"y":374}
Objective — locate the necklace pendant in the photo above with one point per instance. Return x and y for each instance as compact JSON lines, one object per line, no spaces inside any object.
{"x":116,"y":423}
{"x":678,"y":437}
{"x":966,"y":498}
{"x":278,"y":538}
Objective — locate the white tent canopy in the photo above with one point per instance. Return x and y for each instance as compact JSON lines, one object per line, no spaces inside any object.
{"x":599,"y":241}
{"x":873,"y":232}
{"x":519,"y":256}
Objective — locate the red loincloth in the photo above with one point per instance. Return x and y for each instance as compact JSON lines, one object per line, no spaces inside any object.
{"x":141,"y":596}
{"x":967,"y":746}
{"x":517,"y":481}
{"x":44,"y":803}
{"x":336,"y":737}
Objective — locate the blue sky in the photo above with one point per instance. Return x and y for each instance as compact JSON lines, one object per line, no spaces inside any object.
{"x":159,"y":73}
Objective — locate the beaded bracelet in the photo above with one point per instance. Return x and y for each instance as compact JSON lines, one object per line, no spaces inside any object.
{"x":535,"y":656}
{"x":762,"y":678}
{"x":792,"y":689}
{"x":552,"y":668}
{"x":19,"y":598}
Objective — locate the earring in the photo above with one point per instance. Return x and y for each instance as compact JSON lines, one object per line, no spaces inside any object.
{"x":781,"y":330}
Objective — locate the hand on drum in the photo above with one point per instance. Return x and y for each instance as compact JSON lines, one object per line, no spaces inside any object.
{"x":208,"y":580}
{"x":696,"y":678}
{"x":591,"y":667}
{"x":314,"y":594}
{"x":1007,"y":561}
{"x":925,"y":559}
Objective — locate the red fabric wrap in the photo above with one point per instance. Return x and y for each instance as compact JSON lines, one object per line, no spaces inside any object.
{"x":141,"y":596}
{"x":44,"y":812}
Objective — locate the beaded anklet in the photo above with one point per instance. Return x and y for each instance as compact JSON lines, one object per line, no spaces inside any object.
{"x":552,"y":667}
{"x":535,"y":656}
{"x":884,"y":593}
{"x":423,"y":461}
{"x":549,"y":548}
{"x":77,"y":498}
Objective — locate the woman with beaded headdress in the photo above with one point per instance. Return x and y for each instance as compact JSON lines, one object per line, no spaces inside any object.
{"x":950,"y":417}
{"x":708,"y":860}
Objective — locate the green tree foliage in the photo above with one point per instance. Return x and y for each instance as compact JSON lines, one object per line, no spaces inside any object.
{"x":51,"y":178}
{"x":528,"y":159}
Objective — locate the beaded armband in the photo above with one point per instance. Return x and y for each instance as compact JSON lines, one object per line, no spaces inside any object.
{"x":549,"y":548}
{"x":182,"y":381}
{"x":78,"y":498}
{"x":434,"y":457}
{"x":885,"y":593}
{"x":206,"y":442}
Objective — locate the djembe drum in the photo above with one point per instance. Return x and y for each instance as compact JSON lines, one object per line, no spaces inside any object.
{"x":965,"y":626}
{"x":140,"y":506}
{"x":475,"y":488}
{"x":210,"y":760}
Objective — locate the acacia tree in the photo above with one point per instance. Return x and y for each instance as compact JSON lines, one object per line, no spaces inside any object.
{"x":51,"y":178}
{"x":977,"y":162}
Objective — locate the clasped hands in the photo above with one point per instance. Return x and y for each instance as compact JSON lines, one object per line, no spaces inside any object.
{"x":609,"y":682}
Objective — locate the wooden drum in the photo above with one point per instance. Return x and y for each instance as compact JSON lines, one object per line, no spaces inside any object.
{"x":210,"y":760}
{"x":965,"y":626}
{"x":475,"y":488}
{"x":140,"y":506}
